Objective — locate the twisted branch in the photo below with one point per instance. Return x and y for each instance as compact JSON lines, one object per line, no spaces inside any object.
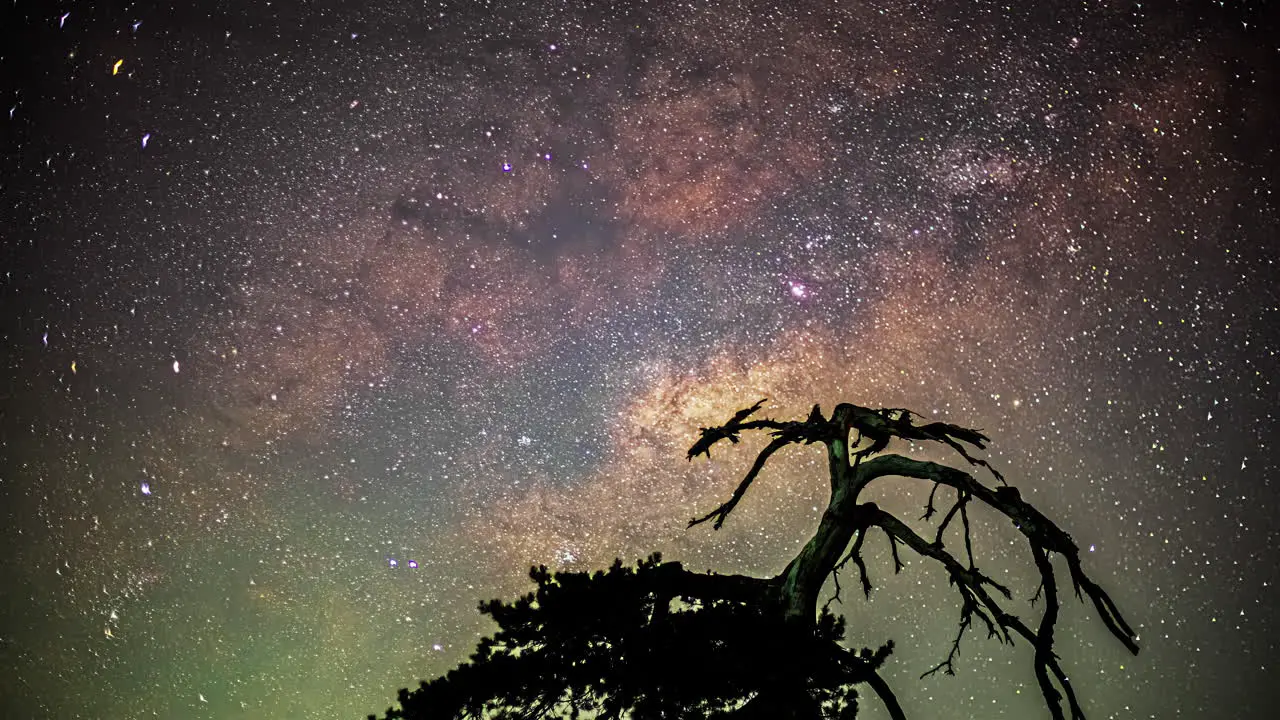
{"x":723,"y":511}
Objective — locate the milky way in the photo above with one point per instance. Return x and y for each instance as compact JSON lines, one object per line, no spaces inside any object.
{"x":324,"y":321}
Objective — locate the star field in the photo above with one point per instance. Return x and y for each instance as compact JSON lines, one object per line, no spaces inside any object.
{"x":324,"y":321}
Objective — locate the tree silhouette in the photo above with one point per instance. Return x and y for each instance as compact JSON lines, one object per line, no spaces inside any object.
{"x":658,"y":641}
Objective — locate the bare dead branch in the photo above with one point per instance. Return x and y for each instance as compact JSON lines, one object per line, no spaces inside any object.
{"x":835,"y":596}
{"x":813,"y":429}
{"x":1105,"y":606}
{"x":973,"y":582}
{"x":948,"y":666}
{"x":968,"y":536}
{"x":893,"y":549}
{"x":929,"y":510}
{"x":723,"y":511}
{"x":1044,"y":638}
{"x":730,"y":430}
{"x":946,"y":519}
{"x":1038,"y":529}
{"x":855,"y":555}
{"x":882,"y":425}
{"x":969,"y":580}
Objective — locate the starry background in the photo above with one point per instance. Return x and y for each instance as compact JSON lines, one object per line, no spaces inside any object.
{"x":323,"y":321}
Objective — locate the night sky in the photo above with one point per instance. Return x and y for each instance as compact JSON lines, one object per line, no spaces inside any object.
{"x":323,"y":321}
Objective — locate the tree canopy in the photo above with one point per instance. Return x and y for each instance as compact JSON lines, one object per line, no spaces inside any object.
{"x":658,"y":641}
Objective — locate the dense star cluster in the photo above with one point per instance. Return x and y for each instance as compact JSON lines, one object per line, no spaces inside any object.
{"x":324,"y":321}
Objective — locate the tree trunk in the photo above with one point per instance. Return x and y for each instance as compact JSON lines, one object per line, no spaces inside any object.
{"x":805,"y":575}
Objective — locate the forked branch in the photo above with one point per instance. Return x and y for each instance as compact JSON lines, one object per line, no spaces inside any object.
{"x":722,"y":512}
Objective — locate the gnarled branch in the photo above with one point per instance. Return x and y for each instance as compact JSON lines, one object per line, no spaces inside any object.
{"x":723,"y":511}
